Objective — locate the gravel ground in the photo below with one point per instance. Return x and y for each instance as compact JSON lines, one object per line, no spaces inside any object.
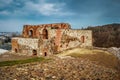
{"x":65,"y":68}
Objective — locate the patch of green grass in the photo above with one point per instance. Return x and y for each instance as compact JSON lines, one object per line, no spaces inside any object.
{"x":15,"y":62}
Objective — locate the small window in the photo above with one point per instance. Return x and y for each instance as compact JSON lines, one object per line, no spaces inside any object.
{"x":82,"y":39}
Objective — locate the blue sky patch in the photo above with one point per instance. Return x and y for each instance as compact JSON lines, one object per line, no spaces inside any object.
{"x":79,"y":13}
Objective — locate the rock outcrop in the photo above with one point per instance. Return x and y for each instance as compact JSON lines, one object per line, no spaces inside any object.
{"x":115,"y":51}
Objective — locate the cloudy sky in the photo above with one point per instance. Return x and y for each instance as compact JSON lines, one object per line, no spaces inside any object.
{"x":79,"y":13}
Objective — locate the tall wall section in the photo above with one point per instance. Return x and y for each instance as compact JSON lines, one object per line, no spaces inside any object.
{"x":33,"y":30}
{"x":69,"y":38}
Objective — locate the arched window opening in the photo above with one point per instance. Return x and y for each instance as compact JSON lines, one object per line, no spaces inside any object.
{"x":82,"y":39}
{"x":45,"y":34}
{"x":34,"y":52}
{"x":31,"y":33}
{"x":16,"y":50}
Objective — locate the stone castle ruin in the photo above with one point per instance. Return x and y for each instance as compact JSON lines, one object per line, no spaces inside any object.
{"x":47,"y":39}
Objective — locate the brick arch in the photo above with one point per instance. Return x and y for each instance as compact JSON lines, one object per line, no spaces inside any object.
{"x":30,"y":33}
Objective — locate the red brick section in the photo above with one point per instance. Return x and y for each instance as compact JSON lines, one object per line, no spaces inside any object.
{"x":35,"y":31}
{"x":58,"y":38}
{"x":27,"y":28}
{"x":15,"y":44}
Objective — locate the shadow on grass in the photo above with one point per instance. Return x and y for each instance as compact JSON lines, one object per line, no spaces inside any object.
{"x":15,"y":62}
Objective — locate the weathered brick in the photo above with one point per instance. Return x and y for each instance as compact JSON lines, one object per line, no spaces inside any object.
{"x":47,"y":39}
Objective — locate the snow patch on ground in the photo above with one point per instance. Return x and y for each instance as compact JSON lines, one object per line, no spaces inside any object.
{"x":3,"y":51}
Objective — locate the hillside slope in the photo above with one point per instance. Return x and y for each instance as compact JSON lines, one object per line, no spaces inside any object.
{"x":100,"y":57}
{"x":74,"y":64}
{"x":106,"y":35}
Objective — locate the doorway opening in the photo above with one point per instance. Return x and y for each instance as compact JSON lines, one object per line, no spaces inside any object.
{"x":45,"y":54}
{"x":34,"y":52}
{"x":16,"y":51}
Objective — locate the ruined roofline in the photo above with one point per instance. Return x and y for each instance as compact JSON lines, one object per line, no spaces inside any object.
{"x":45,"y":24}
{"x":24,"y":38}
{"x":75,"y":29}
{"x":81,"y":29}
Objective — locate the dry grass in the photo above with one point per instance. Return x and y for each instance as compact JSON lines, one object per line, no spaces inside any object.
{"x":16,"y":62}
{"x":101,"y":57}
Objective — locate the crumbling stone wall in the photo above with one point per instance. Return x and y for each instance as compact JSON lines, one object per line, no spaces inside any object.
{"x":73,"y":38}
{"x":69,"y":38}
{"x":28,"y":45}
{"x":25,"y":45}
{"x":48,"y":39}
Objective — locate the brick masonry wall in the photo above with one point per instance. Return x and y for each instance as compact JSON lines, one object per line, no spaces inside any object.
{"x":72,"y":38}
{"x":25,"y":45}
{"x":59,"y":37}
{"x":35,"y":28}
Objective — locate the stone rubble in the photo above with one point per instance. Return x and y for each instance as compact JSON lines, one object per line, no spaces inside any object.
{"x":59,"y":69}
{"x":115,"y":51}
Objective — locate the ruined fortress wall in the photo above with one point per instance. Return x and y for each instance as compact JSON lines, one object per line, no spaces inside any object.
{"x":25,"y":45}
{"x":68,"y":38}
{"x":27,"y":29}
{"x":34,"y":29}
{"x":73,"y":38}
{"x":56,"y":35}
{"x":87,"y":34}
{"x":50,"y":38}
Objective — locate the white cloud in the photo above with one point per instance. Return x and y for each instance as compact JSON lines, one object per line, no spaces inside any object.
{"x":42,"y":7}
{"x":4,"y":13}
{"x":47,"y":9}
{"x":4,"y":3}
